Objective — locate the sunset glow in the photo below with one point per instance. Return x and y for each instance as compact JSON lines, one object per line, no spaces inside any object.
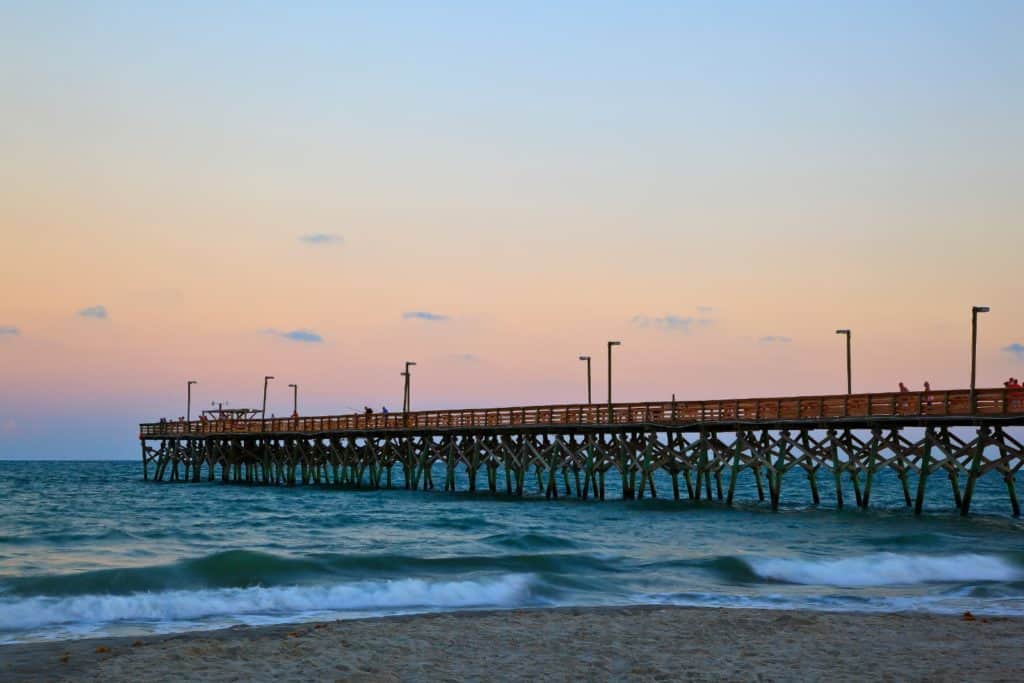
{"x":182,"y":199}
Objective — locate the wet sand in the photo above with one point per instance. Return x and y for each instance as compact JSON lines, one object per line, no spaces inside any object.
{"x":621,"y":643}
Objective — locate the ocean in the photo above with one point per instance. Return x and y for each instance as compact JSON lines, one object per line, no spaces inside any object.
{"x":90,"y":549}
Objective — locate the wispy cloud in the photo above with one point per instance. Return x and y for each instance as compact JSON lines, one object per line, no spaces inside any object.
{"x":98,"y":312}
{"x":705,"y":310}
{"x":305,"y":336}
{"x":775,"y":339}
{"x":321,"y":238}
{"x":1016,"y":349}
{"x":424,"y":315}
{"x":9,"y":330}
{"x":671,"y":322}
{"x":467,"y":357}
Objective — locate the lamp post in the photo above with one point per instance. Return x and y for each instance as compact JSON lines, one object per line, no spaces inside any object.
{"x":295,"y":399}
{"x":610,"y":345}
{"x":188,"y":400}
{"x":587,"y":358}
{"x":975,"y":310}
{"x":266,"y":381}
{"x":849,"y":371}
{"x":407,"y":394}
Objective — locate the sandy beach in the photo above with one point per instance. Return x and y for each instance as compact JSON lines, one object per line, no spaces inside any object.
{"x":634,"y":643}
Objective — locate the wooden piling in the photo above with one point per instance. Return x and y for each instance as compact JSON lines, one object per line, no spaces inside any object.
{"x":737,"y":451}
{"x":837,"y":469}
{"x":1011,"y":489}
{"x":925,"y":470}
{"x":872,"y":449}
{"x":975,"y":471}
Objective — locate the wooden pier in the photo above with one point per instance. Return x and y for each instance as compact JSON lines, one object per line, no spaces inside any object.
{"x":571,"y":448}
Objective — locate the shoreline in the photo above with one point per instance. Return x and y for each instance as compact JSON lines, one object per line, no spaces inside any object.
{"x":560,"y":643}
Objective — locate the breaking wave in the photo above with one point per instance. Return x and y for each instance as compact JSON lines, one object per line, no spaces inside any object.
{"x":286,"y":601}
{"x":887,"y":569}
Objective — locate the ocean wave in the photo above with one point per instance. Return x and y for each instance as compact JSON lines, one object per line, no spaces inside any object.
{"x":43,"y":536}
{"x":529,"y":541}
{"x":886,"y":569}
{"x":459,"y":523}
{"x":19,"y":614}
{"x":246,"y":569}
{"x":729,"y":568}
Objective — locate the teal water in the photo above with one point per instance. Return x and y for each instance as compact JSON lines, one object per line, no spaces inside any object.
{"x":88,"y":548}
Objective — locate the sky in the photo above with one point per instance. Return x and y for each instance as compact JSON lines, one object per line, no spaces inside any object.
{"x":322,"y":191}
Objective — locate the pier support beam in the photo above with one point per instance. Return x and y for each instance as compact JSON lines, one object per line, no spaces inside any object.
{"x":925,"y":470}
{"x":361,"y":460}
{"x":975,"y":471}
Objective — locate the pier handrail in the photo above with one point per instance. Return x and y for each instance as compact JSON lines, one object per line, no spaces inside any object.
{"x":933,"y":403}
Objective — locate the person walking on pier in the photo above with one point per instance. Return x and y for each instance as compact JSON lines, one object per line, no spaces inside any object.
{"x":904,"y":403}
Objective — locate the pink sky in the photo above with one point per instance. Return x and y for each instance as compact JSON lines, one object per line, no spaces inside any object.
{"x":541,"y":204}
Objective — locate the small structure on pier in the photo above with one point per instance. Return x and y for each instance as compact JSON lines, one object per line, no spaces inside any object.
{"x":222,"y":414}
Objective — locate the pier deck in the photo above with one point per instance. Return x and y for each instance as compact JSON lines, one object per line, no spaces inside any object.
{"x":850,"y":436}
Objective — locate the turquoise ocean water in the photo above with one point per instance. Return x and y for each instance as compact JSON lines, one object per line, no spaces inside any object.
{"x":88,"y":548}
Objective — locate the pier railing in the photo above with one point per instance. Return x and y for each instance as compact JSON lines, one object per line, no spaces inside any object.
{"x":955,"y":403}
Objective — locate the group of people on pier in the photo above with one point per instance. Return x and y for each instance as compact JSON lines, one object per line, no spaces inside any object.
{"x":1016,"y":392}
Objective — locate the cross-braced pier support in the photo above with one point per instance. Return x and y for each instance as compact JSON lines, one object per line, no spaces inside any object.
{"x":574,"y":462}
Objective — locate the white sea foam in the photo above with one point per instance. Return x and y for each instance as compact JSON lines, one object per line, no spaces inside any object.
{"x":886,"y":569}
{"x":18,"y":614}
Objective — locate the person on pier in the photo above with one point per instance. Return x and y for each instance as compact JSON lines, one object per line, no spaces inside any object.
{"x":905,"y":402}
{"x":1015,"y":392}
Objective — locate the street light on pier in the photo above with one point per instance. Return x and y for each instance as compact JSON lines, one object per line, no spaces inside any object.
{"x":295,"y":399}
{"x":610,"y":345}
{"x":587,"y":358}
{"x":849,"y":371}
{"x":406,"y":396}
{"x":975,"y":310}
{"x":266,"y":381}
{"x":188,"y":400}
